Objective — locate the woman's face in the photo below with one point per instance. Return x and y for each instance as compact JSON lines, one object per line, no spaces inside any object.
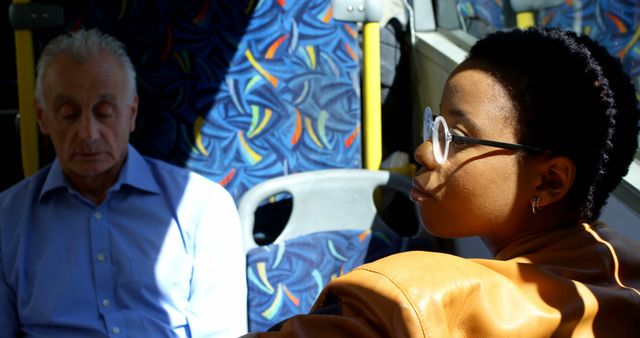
{"x":478,"y":190}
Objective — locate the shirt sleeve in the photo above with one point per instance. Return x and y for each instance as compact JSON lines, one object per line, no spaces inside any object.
{"x":8,"y":314}
{"x":218,"y":302}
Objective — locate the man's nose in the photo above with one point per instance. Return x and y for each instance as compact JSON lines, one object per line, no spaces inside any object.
{"x":88,"y":129}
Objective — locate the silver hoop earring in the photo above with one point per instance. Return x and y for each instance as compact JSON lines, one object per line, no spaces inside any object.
{"x":535,"y":204}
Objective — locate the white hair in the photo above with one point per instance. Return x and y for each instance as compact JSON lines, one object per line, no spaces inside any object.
{"x":80,"y":45}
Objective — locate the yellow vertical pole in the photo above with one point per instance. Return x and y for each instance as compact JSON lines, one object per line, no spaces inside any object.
{"x":26,"y":88}
{"x":525,"y":20}
{"x":372,"y":96}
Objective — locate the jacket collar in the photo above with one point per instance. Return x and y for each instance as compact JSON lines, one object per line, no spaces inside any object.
{"x":536,"y":242}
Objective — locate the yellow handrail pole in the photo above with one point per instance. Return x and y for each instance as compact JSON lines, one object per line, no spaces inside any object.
{"x":372,"y":97}
{"x":26,"y":88}
{"x":525,"y":20}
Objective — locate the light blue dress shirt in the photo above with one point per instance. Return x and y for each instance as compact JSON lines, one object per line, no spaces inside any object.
{"x":162,"y":256}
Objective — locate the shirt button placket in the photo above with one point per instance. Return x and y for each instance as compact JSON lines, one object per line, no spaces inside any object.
{"x":103,"y":276}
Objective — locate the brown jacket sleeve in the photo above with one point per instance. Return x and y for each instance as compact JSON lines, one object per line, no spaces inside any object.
{"x":417,"y":294}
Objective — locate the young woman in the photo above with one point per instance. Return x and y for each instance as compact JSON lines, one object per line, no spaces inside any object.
{"x":536,"y":128}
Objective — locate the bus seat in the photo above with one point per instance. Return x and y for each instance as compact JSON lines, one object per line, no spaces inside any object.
{"x":239,"y":91}
{"x":334,"y":226}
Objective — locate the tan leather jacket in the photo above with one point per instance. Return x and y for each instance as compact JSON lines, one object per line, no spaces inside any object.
{"x":577,"y":282}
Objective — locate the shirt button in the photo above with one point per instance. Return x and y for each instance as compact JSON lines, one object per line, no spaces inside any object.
{"x":106,"y":302}
{"x":115,"y":330}
{"x":100,"y":257}
{"x":98,"y":215}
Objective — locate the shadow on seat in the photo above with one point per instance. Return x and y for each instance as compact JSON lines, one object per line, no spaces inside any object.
{"x":334,"y":227}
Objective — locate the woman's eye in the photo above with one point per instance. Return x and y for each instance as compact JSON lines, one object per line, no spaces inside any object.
{"x":456,"y":132}
{"x":460,"y":144}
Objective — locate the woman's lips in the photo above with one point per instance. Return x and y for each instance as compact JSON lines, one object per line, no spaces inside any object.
{"x":417,"y":194}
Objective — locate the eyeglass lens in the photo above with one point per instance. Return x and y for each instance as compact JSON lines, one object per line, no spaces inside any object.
{"x":440,"y":140}
{"x":427,"y":124}
{"x":435,"y":130}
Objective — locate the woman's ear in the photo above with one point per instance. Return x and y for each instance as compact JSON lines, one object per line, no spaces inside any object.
{"x":556,"y":178}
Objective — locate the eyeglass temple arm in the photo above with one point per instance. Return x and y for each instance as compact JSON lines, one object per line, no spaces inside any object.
{"x":510,"y":146}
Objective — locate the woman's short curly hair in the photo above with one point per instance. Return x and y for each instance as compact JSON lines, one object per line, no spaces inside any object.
{"x":572,"y":98}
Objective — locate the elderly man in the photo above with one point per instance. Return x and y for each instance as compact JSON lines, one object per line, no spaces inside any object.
{"x":106,"y":242}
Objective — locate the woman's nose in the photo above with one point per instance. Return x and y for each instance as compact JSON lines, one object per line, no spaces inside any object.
{"x":424,"y":155}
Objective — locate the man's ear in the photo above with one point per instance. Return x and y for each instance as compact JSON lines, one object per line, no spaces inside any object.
{"x":133,"y":110}
{"x":42,"y":124}
{"x":556,"y":179}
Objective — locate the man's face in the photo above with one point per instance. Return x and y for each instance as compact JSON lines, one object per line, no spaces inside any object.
{"x":88,"y":112}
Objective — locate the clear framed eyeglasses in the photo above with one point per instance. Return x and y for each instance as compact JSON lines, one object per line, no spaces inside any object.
{"x":437,"y":131}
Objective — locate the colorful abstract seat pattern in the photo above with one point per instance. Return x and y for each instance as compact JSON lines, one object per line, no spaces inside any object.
{"x":240,"y":91}
{"x":614,"y":24}
{"x":285,"y":279}
{"x":282,"y":285}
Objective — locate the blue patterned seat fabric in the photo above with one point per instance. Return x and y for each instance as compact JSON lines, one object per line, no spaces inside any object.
{"x":615,"y":24}
{"x":239,"y":91}
{"x":285,"y":279}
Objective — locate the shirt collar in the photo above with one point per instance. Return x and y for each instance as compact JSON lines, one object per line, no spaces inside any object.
{"x":55,"y":179}
{"x":135,"y":172}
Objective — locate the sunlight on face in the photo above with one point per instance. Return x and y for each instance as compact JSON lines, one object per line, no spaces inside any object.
{"x":88,"y":113}
{"x":473,"y":192}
